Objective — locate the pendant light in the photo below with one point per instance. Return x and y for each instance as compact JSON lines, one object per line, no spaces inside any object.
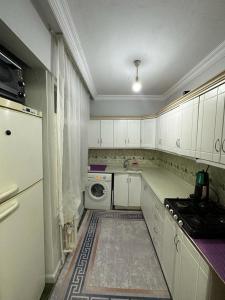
{"x":137,"y":86}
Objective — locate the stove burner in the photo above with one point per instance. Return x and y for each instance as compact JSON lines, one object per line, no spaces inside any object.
{"x":205,"y":219}
{"x":182,"y":204}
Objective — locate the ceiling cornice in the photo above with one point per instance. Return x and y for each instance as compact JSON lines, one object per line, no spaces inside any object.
{"x":64,"y":19}
{"x":129,"y":97}
{"x":211,"y":59}
{"x":63,"y":16}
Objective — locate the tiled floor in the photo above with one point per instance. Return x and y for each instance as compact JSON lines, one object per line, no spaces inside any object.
{"x":115,"y":259}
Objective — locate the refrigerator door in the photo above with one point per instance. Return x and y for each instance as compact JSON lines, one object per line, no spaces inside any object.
{"x":20,"y":151}
{"x":22,"y":269}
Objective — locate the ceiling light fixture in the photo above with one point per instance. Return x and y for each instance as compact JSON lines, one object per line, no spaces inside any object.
{"x":137,"y":86}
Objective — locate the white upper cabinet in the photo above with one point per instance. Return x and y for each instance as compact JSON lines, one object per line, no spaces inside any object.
{"x":120,"y":133}
{"x":94,"y":134}
{"x":127,"y":133}
{"x":172,"y":128}
{"x":148,"y":133}
{"x":211,"y":133}
{"x":133,"y":133}
{"x":106,"y":134}
{"x":189,"y":121}
{"x":100,"y":134}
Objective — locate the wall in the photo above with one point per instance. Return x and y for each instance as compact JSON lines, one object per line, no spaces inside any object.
{"x":38,"y":97}
{"x":181,"y":166}
{"x":196,"y":78}
{"x":24,"y":21}
{"x":125,"y":107}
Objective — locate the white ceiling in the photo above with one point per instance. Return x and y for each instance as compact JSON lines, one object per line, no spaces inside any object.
{"x":169,"y":36}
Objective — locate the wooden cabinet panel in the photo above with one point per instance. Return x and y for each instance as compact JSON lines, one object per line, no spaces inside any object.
{"x":121,"y":190}
{"x":107,"y":133}
{"x":148,"y":133}
{"x":94,"y":134}
{"x":133,"y":133}
{"x":120,"y":133}
{"x":134,"y":190}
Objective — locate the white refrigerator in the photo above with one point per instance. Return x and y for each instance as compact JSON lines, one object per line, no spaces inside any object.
{"x":22,"y":269}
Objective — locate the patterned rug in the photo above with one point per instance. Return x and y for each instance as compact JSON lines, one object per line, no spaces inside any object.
{"x":115,"y":259}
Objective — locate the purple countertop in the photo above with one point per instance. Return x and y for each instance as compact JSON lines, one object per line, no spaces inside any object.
{"x":214,"y":252}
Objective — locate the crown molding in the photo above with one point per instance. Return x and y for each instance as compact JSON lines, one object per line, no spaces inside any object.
{"x":211,"y":59}
{"x":64,"y":19}
{"x":129,"y":97}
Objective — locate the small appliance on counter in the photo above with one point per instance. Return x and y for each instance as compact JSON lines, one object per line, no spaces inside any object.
{"x":197,"y":215}
{"x":201,"y":186}
{"x":12,"y":85}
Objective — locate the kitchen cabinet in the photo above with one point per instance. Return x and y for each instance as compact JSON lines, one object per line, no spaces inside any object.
{"x":127,"y":133}
{"x":148,"y":133}
{"x":169,"y":250}
{"x":127,"y":190}
{"x":188,"y":127}
{"x":211,"y":133}
{"x":94,"y":133}
{"x":173,"y":125}
{"x":100,"y":134}
{"x":106,"y":138}
{"x":153,"y":211}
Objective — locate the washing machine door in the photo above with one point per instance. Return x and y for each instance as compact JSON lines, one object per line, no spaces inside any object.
{"x":98,"y":190}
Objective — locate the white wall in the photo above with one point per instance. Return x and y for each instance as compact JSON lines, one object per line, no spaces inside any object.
{"x":124,"y":107}
{"x":22,"y":19}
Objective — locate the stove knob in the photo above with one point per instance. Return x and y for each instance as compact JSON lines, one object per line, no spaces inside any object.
{"x":167,"y":206}
{"x":171,"y":211}
{"x":180,"y":223}
{"x":175,"y":217}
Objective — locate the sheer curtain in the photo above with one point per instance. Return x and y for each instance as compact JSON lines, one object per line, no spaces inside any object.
{"x":72,"y":122}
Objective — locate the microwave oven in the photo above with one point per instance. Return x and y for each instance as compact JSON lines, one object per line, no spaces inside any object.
{"x":12,"y":85}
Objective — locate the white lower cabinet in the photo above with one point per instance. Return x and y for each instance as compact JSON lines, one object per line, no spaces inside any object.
{"x":127,"y":190}
{"x":153,"y":212}
{"x":187,"y":273}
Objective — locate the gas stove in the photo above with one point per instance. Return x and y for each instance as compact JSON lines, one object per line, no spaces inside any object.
{"x":204,"y":219}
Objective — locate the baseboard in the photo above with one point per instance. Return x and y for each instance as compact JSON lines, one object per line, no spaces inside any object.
{"x":52,"y":278}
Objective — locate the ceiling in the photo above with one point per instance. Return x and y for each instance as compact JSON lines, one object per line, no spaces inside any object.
{"x":169,"y":36}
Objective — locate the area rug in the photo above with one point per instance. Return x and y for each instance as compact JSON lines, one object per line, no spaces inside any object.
{"x":115,"y":259}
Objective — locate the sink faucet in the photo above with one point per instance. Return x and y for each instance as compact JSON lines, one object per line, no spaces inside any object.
{"x":125,"y":163}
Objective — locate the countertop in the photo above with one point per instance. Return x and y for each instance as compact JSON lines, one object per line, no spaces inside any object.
{"x":168,"y":185}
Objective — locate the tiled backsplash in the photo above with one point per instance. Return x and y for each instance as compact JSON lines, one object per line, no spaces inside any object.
{"x":183,"y":167}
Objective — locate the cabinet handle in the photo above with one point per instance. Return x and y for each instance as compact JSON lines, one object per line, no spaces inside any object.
{"x":216,"y":143}
{"x":98,"y":141}
{"x":223,"y":149}
{"x":177,"y":243}
{"x":175,"y":239}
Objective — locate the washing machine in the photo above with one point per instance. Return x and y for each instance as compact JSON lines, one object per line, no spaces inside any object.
{"x":98,"y":193}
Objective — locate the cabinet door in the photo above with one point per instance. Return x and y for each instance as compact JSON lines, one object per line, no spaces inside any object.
{"x":148,"y":132}
{"x":169,"y":250}
{"x":188,"y":271}
{"x":134,"y":183}
{"x":159,"y":132}
{"x":121,"y":189}
{"x":133,"y":133}
{"x":120,"y":133}
{"x":107,"y":133}
{"x":147,"y":205}
{"x":94,"y":134}
{"x":204,"y":281}
{"x":194,"y":127}
{"x":186,"y":127}
{"x":207,"y":118}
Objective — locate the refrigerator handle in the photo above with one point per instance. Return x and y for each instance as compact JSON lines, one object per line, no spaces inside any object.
{"x":10,"y":192}
{"x":7,"y":208}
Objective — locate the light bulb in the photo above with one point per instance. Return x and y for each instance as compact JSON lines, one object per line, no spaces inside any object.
{"x":137,"y":86}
